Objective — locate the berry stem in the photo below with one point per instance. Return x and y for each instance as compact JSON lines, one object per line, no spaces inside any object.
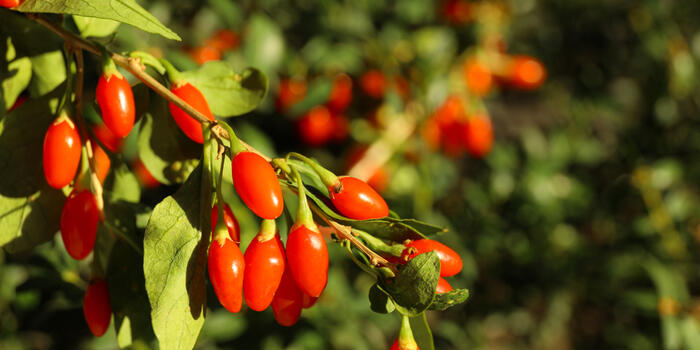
{"x":329,"y":179}
{"x":304,"y":215}
{"x":268,"y":229}
{"x":108,"y":67}
{"x":148,"y":59}
{"x":406,"y":340}
{"x":236,"y":144}
{"x":174,"y":75}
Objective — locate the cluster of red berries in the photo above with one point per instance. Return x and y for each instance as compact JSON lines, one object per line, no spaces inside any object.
{"x":453,"y":130}
{"x":520,"y":72}
{"x":61,"y":159}
{"x":215,"y":47}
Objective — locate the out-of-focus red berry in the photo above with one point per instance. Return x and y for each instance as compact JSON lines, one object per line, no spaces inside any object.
{"x":291,"y":92}
{"x":478,"y":77}
{"x":373,"y":83}
{"x":341,"y":93}
{"x":316,"y":127}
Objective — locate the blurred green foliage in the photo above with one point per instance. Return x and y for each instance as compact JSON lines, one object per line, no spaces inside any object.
{"x":580,"y":229}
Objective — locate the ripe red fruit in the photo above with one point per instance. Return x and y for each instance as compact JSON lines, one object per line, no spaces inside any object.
{"x":379,"y":180}
{"x":287,"y":303}
{"x":450,"y":262}
{"x":341,"y":93}
{"x":357,"y":200}
{"x":226,"y":267}
{"x":234,"y":230}
{"x":145,"y":177}
{"x":373,"y":83}
{"x":61,"y":152}
{"x":78,"y":225}
{"x":116,"y":101}
{"x":111,"y":141}
{"x":477,"y":134}
{"x":264,"y":261}
{"x":341,"y":127}
{"x":190,"y":126}
{"x":478,"y":76}
{"x":457,"y":11}
{"x":102,"y":162}
{"x":525,"y":72}
{"x":316,"y":126}
{"x":291,"y":91}
{"x":443,"y":286}
{"x":96,"y":307}
{"x":9,"y":3}
{"x":307,"y":301}
{"x":256,"y":183}
{"x":223,"y":40}
{"x":396,"y":346}
{"x":307,"y":257}
{"x":203,"y":54}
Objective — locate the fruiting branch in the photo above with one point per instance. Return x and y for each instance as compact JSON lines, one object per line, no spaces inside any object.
{"x":136,"y":68}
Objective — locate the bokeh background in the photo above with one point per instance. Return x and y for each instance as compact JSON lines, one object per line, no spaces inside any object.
{"x":579,"y":229}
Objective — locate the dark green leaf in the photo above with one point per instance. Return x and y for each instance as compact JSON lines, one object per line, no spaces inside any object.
{"x":125,"y":11}
{"x":379,"y":300}
{"x":229,"y":93}
{"x":128,"y":298}
{"x":175,"y":254}
{"x":449,"y":299}
{"x":421,"y":332}
{"x":29,"y":208}
{"x":163,"y":148}
{"x":413,"y":289}
{"x":121,"y":184}
{"x":49,"y":72}
{"x":15,"y":73}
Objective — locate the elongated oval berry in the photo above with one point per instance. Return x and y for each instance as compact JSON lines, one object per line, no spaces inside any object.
{"x":307,"y":257}
{"x":264,"y":263}
{"x":287,"y":303}
{"x":307,"y":301}
{"x":256,"y":183}
{"x":102,"y":162}
{"x":9,"y":3}
{"x":234,"y":229}
{"x":116,"y":101}
{"x":226,"y":268}
{"x":477,"y":135}
{"x":78,"y":225}
{"x":111,"y":141}
{"x":96,"y":307}
{"x":411,"y":346}
{"x":358,"y":200}
{"x":190,"y":126}
{"x":450,"y":262}
{"x":61,"y":155}
{"x":443,"y":286}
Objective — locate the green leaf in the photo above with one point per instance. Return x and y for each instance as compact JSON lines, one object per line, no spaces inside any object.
{"x":228,"y":93}
{"x":421,"y":332}
{"x":263,"y":43}
{"x":449,"y":299}
{"x":175,"y":254}
{"x":413,"y":289}
{"x":128,"y":298}
{"x":379,"y":300}
{"x":49,"y":72}
{"x":29,"y":209}
{"x":122,"y":184}
{"x":125,"y":11}
{"x":15,"y":73}
{"x":95,"y":27}
{"x":163,"y":148}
